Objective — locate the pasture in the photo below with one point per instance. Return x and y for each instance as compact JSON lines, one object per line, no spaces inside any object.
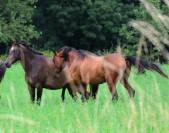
{"x":148,"y":112}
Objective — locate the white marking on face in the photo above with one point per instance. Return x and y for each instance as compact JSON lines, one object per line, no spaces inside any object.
{"x":12,"y":48}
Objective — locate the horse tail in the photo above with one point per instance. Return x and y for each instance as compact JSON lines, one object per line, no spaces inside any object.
{"x":2,"y":70}
{"x":142,"y":64}
{"x":156,"y":68}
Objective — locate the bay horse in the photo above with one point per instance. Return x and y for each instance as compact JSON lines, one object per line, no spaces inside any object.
{"x":88,"y":68}
{"x":141,"y":64}
{"x":39,"y":70}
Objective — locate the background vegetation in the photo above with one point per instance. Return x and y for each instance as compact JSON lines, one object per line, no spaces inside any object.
{"x":87,"y":24}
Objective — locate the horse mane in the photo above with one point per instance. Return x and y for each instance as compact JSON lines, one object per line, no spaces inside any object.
{"x":67,"y":49}
{"x":30,"y":49}
{"x":81,"y":53}
{"x":86,"y":52}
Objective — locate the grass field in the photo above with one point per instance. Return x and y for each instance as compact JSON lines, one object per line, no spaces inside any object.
{"x":147,"y":113}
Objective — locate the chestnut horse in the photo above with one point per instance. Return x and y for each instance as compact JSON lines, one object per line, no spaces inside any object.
{"x":39,"y":70}
{"x":87,"y":68}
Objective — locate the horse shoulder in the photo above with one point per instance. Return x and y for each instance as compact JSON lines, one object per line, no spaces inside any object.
{"x":40,"y":70}
{"x":74,"y":69}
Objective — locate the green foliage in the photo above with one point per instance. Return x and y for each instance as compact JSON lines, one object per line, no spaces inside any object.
{"x":16,"y":20}
{"x":86,"y":24}
{"x":96,"y":24}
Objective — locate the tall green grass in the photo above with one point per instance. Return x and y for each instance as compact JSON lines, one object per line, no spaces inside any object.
{"x":148,"y":112}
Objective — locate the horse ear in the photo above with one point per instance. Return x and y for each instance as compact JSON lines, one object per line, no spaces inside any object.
{"x":14,"y":43}
{"x":20,"y":45}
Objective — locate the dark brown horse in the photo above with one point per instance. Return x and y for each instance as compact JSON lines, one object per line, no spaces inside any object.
{"x":86,"y":68}
{"x":2,"y":70}
{"x":39,"y":70}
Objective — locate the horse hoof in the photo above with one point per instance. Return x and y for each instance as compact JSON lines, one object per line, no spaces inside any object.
{"x":115,"y":99}
{"x":134,"y":93}
{"x":38,"y":103}
{"x":93,"y":98}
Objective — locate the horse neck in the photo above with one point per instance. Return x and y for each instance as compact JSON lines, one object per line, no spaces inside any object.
{"x":72,"y":56}
{"x":26,"y":59}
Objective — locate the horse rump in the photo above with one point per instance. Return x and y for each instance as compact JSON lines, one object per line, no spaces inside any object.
{"x":2,"y":70}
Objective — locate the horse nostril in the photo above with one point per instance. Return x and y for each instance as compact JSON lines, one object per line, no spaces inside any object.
{"x":7,"y":64}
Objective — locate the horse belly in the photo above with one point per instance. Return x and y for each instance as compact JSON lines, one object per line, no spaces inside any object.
{"x":93,"y":76}
{"x":53,"y":84}
{"x":96,"y":80}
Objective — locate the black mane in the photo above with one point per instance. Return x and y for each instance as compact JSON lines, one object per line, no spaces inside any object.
{"x":67,"y":49}
{"x":30,"y":49}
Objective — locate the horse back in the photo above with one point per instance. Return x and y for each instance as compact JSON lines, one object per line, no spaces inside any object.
{"x":91,"y":69}
{"x":116,"y":59}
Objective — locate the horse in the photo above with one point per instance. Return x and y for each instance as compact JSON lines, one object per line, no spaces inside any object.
{"x":39,"y":71}
{"x":141,"y":64}
{"x":88,"y":68}
{"x":2,"y":70}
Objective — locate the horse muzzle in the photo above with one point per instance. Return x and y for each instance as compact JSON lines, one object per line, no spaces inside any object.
{"x":7,"y":64}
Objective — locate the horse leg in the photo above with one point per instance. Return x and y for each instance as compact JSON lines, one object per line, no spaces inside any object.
{"x":63,"y":94}
{"x":126,"y":84}
{"x":82,"y":89}
{"x":72,"y":93}
{"x":39,"y":94}
{"x":87,"y":94}
{"x":31,"y":92}
{"x":94,"y":90}
{"x":113,"y":91}
{"x":111,"y":81}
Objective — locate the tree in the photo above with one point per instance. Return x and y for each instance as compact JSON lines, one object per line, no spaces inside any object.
{"x":96,"y":24}
{"x":16,"y":21}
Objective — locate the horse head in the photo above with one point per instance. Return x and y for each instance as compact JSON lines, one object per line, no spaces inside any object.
{"x":13,"y":55}
{"x":60,"y":57}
